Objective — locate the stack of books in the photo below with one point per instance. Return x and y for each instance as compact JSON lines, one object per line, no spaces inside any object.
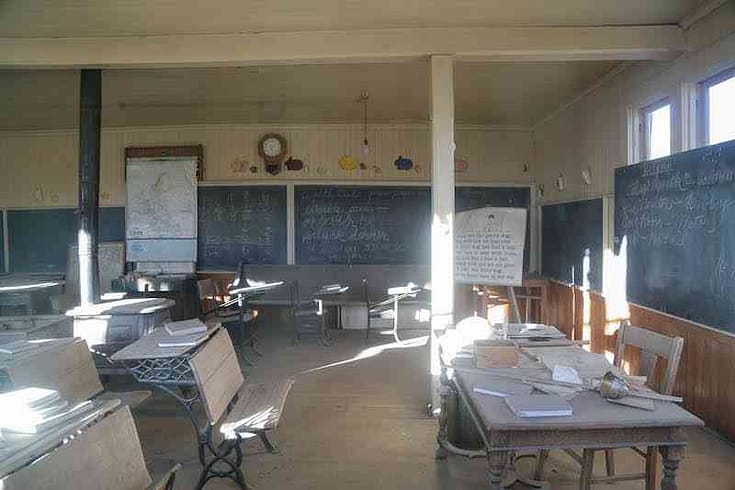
{"x":35,"y":410}
{"x":17,"y":347}
{"x":538,"y":406}
{"x":184,"y":333}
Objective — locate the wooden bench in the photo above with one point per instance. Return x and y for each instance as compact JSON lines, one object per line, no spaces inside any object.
{"x":232,"y":410}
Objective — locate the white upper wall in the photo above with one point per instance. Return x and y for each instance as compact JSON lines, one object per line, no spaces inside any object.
{"x":39,"y":168}
{"x":591,"y":132}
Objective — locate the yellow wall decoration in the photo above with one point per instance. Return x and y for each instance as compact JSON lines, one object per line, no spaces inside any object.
{"x":348,"y":163}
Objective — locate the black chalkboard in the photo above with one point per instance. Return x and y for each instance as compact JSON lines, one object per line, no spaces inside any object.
{"x":241,"y":223}
{"x":570,"y":232}
{"x":362,"y":225}
{"x":675,"y":223}
{"x":2,"y":242}
{"x":469,"y":198}
{"x":39,"y":239}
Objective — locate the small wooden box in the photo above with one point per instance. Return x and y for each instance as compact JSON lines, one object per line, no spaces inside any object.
{"x":496,"y":354}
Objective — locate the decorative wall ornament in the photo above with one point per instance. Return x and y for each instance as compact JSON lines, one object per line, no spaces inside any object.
{"x":561,"y":182}
{"x":294,"y":164}
{"x":348,"y":163}
{"x":273,"y":169}
{"x":460,"y":165}
{"x":402,"y":163}
{"x":240,"y":165}
{"x":587,"y":176}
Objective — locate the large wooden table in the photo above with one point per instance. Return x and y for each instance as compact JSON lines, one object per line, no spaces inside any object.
{"x":596,"y":423}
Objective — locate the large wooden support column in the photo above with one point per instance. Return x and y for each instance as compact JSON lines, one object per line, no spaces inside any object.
{"x":442,"y":204}
{"x":90,"y":109}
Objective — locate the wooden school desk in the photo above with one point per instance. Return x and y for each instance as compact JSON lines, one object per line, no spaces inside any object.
{"x":596,"y":423}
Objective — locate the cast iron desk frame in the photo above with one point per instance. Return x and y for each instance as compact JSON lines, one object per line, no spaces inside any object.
{"x":174,"y":377}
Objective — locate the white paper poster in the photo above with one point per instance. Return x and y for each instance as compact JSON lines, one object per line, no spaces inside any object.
{"x":488,"y":246}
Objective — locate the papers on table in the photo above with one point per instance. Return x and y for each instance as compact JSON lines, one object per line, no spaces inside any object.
{"x":565,"y":374}
{"x":588,"y":365}
{"x":503,"y":388}
{"x":528,"y":331}
{"x":538,"y":406}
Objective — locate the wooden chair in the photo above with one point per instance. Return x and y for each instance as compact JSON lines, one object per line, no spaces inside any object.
{"x":309,"y":317}
{"x":387,"y":308}
{"x":217,"y":306}
{"x":652,"y":346}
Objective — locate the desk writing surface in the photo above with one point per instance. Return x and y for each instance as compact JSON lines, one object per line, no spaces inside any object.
{"x":128,"y":306}
{"x":591,"y":411}
{"x":147,"y":346}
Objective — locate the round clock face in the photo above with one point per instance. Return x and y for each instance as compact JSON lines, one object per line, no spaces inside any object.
{"x":272,"y":147}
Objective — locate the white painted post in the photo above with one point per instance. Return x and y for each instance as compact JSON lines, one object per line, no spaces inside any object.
{"x":442,"y":200}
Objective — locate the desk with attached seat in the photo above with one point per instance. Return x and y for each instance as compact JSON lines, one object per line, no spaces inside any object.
{"x":231,"y":410}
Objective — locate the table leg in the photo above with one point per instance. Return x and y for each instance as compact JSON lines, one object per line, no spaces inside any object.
{"x":672,"y":456}
{"x":496,"y":461}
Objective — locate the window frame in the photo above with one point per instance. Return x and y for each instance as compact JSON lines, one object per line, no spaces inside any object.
{"x":703,"y":102}
{"x":644,"y":129}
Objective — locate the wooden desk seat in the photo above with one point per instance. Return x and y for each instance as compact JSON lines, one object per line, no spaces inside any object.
{"x":258,"y":410}
{"x":235,"y":409}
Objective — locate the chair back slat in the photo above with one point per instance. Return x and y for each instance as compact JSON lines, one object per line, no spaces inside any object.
{"x":217,"y":374}
{"x":205,"y":287}
{"x":652,"y":346}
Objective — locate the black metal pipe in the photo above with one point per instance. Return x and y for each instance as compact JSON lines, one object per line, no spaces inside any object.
{"x":90,"y":110}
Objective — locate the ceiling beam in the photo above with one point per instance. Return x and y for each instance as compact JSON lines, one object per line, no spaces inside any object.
{"x":466,"y":43}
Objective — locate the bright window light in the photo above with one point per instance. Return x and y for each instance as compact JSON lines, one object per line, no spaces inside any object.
{"x":657,"y":131}
{"x":721,"y":103}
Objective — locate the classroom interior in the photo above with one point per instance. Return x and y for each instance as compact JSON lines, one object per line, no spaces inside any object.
{"x":298,"y":176}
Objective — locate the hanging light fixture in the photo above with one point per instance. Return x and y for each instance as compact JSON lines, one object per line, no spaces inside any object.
{"x":364,"y":99}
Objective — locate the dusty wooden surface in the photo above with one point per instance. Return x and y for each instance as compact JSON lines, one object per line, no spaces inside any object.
{"x":105,"y":456}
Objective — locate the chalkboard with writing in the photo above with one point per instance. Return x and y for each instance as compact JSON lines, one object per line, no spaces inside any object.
{"x":468,"y":198}
{"x":675,"y":223}
{"x":241,"y":223}
{"x":571,"y":242}
{"x":362,"y":225}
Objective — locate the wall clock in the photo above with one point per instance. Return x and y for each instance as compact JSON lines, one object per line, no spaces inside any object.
{"x":272,"y":148}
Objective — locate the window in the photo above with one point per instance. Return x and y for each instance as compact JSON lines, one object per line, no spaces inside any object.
{"x":656,"y":130}
{"x":717,"y":101}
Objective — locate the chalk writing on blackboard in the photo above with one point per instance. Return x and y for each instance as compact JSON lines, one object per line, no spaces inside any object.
{"x":676,"y":216}
{"x":362,"y":225}
{"x":241,"y":224}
